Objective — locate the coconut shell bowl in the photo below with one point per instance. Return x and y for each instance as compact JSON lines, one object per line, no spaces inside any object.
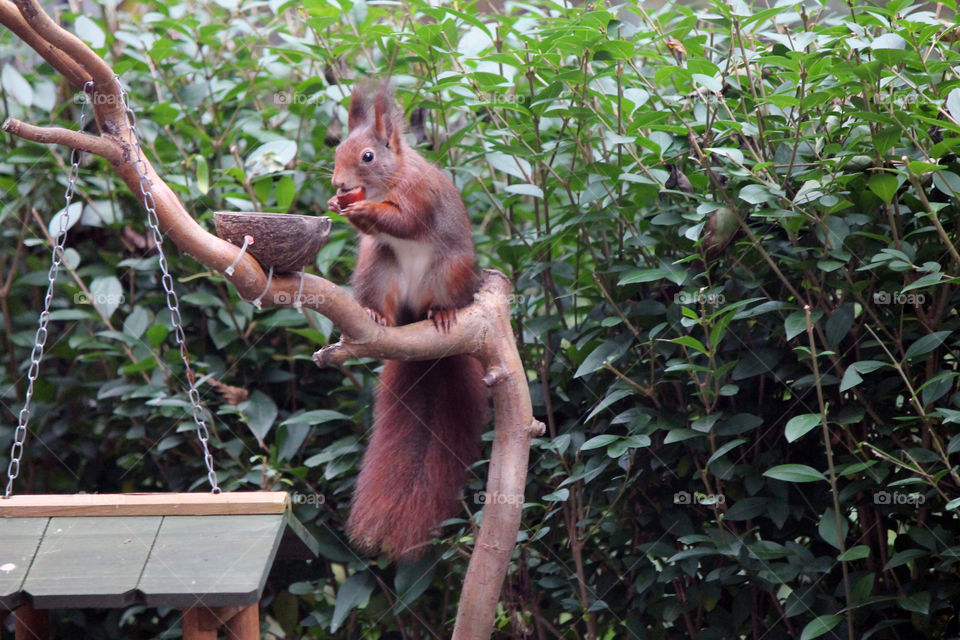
{"x":279,"y":241}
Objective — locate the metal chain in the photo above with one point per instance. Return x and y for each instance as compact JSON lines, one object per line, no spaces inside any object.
{"x":40,"y":339}
{"x":173,"y":303}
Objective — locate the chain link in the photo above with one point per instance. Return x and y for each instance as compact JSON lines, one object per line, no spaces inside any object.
{"x":173,"y":303}
{"x":40,"y":339}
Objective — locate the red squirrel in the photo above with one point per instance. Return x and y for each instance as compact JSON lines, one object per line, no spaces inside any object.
{"x":416,"y":262}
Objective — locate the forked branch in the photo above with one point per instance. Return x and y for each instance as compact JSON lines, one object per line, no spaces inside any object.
{"x":483,"y":329}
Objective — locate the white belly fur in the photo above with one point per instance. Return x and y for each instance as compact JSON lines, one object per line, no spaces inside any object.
{"x":414,"y":259}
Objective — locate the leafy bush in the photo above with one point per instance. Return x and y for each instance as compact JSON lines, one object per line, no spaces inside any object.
{"x":732,"y":233}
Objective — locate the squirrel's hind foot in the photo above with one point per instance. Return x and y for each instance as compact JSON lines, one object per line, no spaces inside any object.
{"x":443,"y":319}
{"x":375,"y":315}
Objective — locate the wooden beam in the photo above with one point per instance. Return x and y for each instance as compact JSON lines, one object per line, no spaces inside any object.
{"x":32,"y":624}
{"x":240,"y":623}
{"x":195,"y":625}
{"x":245,"y":625}
{"x":145,"y":504}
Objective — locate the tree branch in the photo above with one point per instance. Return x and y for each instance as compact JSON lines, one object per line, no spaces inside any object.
{"x":58,"y":135}
{"x":65,"y":42}
{"x":483,"y":329}
{"x":67,"y":67}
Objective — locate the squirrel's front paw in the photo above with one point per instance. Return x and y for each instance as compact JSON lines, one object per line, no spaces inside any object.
{"x":333,"y":204}
{"x":443,"y":319}
{"x":361,"y":215}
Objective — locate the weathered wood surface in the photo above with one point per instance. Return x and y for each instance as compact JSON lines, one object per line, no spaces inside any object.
{"x":145,"y":504}
{"x":228,"y":560}
{"x":85,"y":560}
{"x":90,"y":562}
{"x":19,"y":540}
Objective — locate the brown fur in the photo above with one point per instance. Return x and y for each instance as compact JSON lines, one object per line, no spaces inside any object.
{"x":416,"y":256}
{"x":428,"y":419}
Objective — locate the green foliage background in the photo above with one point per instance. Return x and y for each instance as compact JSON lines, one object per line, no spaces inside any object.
{"x":732,"y":235}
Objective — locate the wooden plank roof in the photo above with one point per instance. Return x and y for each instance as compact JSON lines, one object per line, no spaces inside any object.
{"x":175,"y":550}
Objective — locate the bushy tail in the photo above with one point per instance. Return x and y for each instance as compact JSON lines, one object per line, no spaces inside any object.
{"x":428,"y":419}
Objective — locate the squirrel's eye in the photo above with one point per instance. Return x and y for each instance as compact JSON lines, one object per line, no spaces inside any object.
{"x":367,"y":156}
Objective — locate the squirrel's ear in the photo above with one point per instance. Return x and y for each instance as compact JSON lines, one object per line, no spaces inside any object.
{"x":386,"y":119}
{"x":359,"y":107}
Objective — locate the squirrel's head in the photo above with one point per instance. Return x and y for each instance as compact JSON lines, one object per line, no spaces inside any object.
{"x":371,"y":156}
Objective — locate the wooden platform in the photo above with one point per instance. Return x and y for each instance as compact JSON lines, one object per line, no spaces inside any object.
{"x":176,"y":550}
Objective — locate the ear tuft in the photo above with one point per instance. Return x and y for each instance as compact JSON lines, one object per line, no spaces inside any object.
{"x":387,"y":119}
{"x":360,"y":106}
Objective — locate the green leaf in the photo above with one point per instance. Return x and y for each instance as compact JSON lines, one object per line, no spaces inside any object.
{"x":270,"y":157}
{"x":719,"y":453}
{"x":798,"y":426}
{"x":888,"y":41}
{"x":412,"y":580}
{"x":691,"y":342}
{"x":917,"y":602}
{"x":679,"y":435}
{"x":794,"y":473}
{"x":260,"y":413}
{"x":353,"y":593}
{"x":599,"y":441}
{"x":903,"y":557}
{"x":884,"y":185}
{"x":828,"y":529}
{"x":869,"y":366}
{"x":819,"y":626}
{"x":317,"y":416}
{"x":953,"y":104}
{"x":858,"y":552}
{"x":755,"y":194}
{"x":106,"y":294}
{"x":525,"y":190}
{"x":560,"y":495}
{"x":284,"y":192}
{"x":637,"y":276}
{"x":926,"y":344}
{"x":15,"y":84}
{"x":511,"y":165}
{"x":838,"y":324}
{"x":708,"y":82}
{"x":608,"y":351}
{"x":89,"y":31}
{"x":796,"y":322}
{"x":71,"y":218}
{"x":917,"y":168}
{"x":136,"y":322}
{"x":850,"y":379}
{"x":203,"y":174}
{"x":923,"y":281}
